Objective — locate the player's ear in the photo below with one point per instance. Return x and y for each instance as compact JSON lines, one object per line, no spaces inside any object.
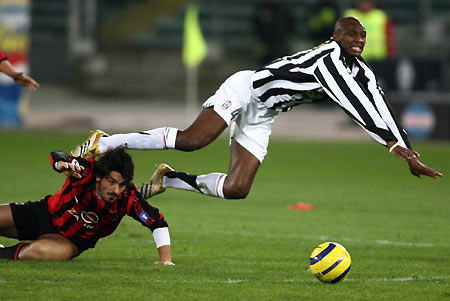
{"x":335,"y":37}
{"x":98,"y":179}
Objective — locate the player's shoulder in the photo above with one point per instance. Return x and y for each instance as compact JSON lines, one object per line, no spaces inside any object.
{"x":131,"y":193}
{"x":326,"y":48}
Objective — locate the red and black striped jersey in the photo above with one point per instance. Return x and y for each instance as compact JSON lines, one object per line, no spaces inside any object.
{"x":79,"y":214}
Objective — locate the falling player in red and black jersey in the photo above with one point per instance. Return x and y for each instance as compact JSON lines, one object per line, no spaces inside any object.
{"x":89,"y":206}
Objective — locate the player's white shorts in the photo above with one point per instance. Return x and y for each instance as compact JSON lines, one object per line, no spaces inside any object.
{"x":251,"y":122}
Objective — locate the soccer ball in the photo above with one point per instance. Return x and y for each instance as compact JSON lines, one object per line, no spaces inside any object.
{"x":330,"y":262}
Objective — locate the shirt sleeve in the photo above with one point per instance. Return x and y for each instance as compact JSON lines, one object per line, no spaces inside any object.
{"x":143,"y":212}
{"x":360,"y":97}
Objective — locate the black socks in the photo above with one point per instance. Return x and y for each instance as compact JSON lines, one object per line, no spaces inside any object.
{"x":12,"y":252}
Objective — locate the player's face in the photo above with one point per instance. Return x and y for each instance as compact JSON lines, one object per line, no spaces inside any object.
{"x":352,"y":38}
{"x":110,"y":187}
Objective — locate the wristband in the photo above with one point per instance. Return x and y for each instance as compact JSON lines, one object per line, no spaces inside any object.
{"x":161,"y":237}
{"x":394,"y":146}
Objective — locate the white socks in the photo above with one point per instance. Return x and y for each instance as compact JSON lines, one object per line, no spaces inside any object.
{"x":210,"y":184}
{"x":160,"y":138}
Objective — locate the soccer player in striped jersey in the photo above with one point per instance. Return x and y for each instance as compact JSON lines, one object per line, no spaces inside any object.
{"x":249,"y":101}
{"x":93,"y":200}
{"x":20,"y":78}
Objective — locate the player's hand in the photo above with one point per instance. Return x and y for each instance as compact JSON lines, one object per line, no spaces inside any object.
{"x":418,"y":169}
{"x":26,"y":81}
{"x":70,"y":169}
{"x":166,"y":262}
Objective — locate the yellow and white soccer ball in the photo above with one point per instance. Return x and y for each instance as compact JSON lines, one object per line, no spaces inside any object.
{"x":330,"y":262}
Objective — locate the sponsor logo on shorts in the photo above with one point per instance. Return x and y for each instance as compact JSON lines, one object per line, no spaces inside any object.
{"x":144,"y":216}
{"x":226,"y":104}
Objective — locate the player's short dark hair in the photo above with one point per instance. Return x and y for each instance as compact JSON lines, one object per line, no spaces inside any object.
{"x":115,"y":159}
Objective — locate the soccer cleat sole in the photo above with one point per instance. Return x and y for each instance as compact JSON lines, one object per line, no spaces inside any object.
{"x":90,"y":147}
{"x":154,"y":185}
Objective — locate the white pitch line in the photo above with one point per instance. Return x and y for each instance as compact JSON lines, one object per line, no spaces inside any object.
{"x":238,"y":281}
{"x":328,"y":238}
{"x":402,"y":279}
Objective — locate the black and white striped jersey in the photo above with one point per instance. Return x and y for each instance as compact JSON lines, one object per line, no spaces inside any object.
{"x":321,"y":73}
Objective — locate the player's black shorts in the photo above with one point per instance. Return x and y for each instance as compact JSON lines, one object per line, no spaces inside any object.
{"x":32,"y":220}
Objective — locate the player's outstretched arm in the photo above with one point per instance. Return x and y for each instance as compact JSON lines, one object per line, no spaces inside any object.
{"x":416,"y":167}
{"x":162,"y":240}
{"x":164,"y":255}
{"x":20,"y":78}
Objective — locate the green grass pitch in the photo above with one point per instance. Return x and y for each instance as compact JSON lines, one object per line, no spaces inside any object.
{"x":395,"y":226}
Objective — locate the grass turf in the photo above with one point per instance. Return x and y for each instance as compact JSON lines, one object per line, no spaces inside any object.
{"x":395,"y":226}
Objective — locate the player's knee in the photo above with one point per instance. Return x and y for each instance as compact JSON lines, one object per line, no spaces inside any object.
{"x":38,"y":250}
{"x":191,"y":143}
{"x":236,"y":191}
{"x":34,"y":252}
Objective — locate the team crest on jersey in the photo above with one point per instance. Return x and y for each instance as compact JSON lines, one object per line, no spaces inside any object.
{"x":226,"y":104}
{"x":144,"y":216}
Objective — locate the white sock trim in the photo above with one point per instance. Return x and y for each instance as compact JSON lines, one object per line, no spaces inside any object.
{"x":161,"y":237}
{"x":219,"y":185}
{"x":170,"y":135}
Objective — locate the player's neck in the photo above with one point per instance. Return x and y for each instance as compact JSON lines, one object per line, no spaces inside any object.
{"x":348,"y":60}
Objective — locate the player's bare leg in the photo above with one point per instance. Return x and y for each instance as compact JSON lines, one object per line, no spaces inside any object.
{"x":235,"y":185}
{"x":49,"y":247}
{"x":243,"y":165}
{"x":242,"y":171}
{"x":204,"y":130}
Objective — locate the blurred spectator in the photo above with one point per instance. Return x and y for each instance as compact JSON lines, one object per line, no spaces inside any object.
{"x":273,"y":24}
{"x":321,"y":22}
{"x":380,"y":43}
